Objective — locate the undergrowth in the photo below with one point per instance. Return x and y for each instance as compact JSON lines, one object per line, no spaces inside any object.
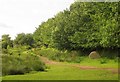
{"x":69,"y":56}
{"x":21,"y":62}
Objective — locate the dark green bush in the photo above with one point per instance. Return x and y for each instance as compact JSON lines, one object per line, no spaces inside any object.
{"x":13,"y":65}
{"x":103,"y":60}
{"x":78,"y":59}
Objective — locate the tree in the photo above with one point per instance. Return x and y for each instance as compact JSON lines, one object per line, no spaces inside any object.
{"x":24,"y":39}
{"x":43,"y":34}
{"x":6,"y":41}
{"x":82,"y":26}
{"x":29,"y":39}
{"x":20,"y":39}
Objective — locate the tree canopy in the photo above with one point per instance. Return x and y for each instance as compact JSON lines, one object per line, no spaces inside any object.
{"x":6,"y":41}
{"x":83,"y":25}
{"x":24,"y":39}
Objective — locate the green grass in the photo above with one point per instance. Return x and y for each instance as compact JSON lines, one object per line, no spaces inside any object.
{"x":65,"y":71}
{"x":97,"y":62}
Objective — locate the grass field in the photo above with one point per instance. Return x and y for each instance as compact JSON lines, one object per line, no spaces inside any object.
{"x":72,"y":71}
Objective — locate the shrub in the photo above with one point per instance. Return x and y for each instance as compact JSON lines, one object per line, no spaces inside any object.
{"x":54,"y":54}
{"x":15,"y":71}
{"x":73,"y":53}
{"x":78,"y":59}
{"x":103,"y":60}
{"x":20,"y":65}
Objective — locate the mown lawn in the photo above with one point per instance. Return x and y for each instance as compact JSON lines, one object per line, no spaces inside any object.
{"x":67,"y":71}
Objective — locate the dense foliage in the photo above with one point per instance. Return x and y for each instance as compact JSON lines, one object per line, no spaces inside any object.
{"x":82,"y":26}
{"x":6,"y":41}
{"x":24,"y":39}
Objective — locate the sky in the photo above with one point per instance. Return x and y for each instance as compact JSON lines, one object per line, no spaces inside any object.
{"x":22,"y":16}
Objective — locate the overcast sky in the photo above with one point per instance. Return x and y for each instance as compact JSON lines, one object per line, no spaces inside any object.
{"x":17,"y":16}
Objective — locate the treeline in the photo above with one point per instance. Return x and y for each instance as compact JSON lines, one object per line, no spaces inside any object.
{"x":83,"y":26}
{"x":22,"y":39}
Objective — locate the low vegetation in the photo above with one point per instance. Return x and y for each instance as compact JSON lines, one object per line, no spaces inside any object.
{"x":21,"y":62}
{"x":62,"y":56}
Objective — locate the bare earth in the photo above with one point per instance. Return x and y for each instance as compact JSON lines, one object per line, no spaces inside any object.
{"x":50,"y":62}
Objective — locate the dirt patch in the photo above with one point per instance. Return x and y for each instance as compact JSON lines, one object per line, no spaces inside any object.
{"x":47,"y":61}
{"x":113,"y":70}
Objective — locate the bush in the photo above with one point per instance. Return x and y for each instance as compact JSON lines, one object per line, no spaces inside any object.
{"x":20,"y":65}
{"x":78,"y":59}
{"x":54,"y":54}
{"x":103,"y":60}
{"x":15,"y":71}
